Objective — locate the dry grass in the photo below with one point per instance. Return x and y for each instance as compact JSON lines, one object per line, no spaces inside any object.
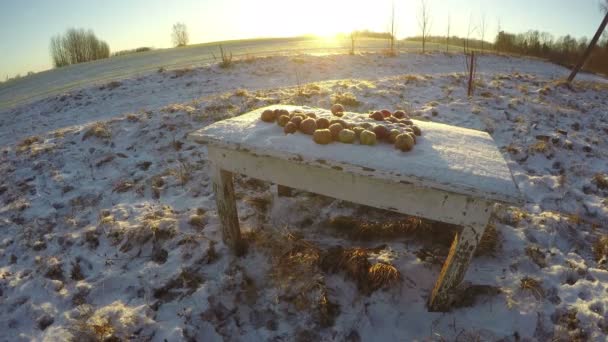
{"x":26,"y":144}
{"x":309,"y":90}
{"x":568,"y":326}
{"x":131,"y":117}
{"x":178,"y":107}
{"x":383,"y":276}
{"x":533,"y":286}
{"x":358,"y":228}
{"x":181,"y":72}
{"x":389,"y":52}
{"x":354,"y":262}
{"x":183,"y":173}
{"x":537,"y":256}
{"x":197,"y":221}
{"x":261,"y":203}
{"x":540,"y":146}
{"x":296,"y":273}
{"x":111,"y":85}
{"x":226,"y":58}
{"x":600,"y":249}
{"x":123,"y":186}
{"x":156,"y":225}
{"x":601,"y":181}
{"x":241,"y":93}
{"x":83,"y":330}
{"x":99,"y":130}
{"x":157,"y":183}
{"x":183,"y":284}
{"x":346,"y":99}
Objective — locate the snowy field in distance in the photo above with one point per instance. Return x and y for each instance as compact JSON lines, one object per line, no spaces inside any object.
{"x":109,"y":227}
{"x":52,"y":82}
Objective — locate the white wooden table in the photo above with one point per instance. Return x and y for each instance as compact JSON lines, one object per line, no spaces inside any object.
{"x":453,"y":175}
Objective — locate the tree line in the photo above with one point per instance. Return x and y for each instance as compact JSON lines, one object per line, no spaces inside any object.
{"x":565,"y":50}
{"x":77,"y":46}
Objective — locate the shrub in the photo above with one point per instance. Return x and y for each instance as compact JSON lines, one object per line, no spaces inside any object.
{"x":128,"y":52}
{"x":225,"y":57}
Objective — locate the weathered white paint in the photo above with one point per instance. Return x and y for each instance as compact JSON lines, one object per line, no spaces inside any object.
{"x":226,"y":208}
{"x":400,"y":197}
{"x":400,"y":186}
{"x":457,"y":263}
{"x":446,"y":157}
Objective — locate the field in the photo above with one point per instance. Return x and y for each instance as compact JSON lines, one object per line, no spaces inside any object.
{"x":109,"y":227}
{"x":52,"y":82}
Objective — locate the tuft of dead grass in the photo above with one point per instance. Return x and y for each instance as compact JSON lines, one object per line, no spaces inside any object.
{"x":533,"y":286}
{"x":157,"y":184}
{"x":131,"y":117}
{"x":183,"y":284}
{"x":296,"y":273}
{"x":123,"y":186}
{"x":354,"y":262}
{"x":540,"y":147}
{"x":537,"y":256}
{"x":600,"y":249}
{"x":26,"y":144}
{"x":260,"y":203}
{"x":568,"y":326}
{"x":197,"y":221}
{"x":181,"y":72}
{"x":183,"y":172}
{"x":601,"y":181}
{"x":346,"y":99}
{"x":383,"y":276}
{"x":358,"y":228}
{"x":99,"y":130}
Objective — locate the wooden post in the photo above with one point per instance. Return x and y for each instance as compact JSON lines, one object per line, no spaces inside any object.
{"x":226,"y":210}
{"x":455,"y":267}
{"x":471,"y":72}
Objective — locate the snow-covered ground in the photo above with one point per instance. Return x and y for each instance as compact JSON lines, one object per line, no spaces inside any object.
{"x":108,"y":225}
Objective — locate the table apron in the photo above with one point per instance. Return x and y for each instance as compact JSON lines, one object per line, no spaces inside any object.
{"x":405,"y":198}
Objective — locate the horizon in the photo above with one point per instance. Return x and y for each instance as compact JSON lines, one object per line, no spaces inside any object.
{"x":140,"y":23}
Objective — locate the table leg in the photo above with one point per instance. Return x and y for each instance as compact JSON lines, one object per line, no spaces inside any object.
{"x":455,"y":266}
{"x":226,"y":209}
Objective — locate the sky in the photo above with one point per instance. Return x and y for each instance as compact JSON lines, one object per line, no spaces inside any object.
{"x":26,"y":26}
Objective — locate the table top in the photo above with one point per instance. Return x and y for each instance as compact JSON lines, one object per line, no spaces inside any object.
{"x":448,"y":158}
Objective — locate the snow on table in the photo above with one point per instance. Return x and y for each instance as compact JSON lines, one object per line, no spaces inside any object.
{"x":445,"y":157}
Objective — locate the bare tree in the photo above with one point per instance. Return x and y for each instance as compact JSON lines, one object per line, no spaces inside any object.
{"x":596,"y":37}
{"x":424,"y":22}
{"x":392,"y":35}
{"x":179,"y":35}
{"x":498,"y":29}
{"x":471,"y":29}
{"x":447,"y":40}
{"x":482,"y":28}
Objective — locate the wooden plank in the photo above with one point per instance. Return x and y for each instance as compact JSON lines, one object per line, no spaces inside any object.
{"x":400,"y":197}
{"x":226,"y":208}
{"x":446,"y":157}
{"x":456,"y":265}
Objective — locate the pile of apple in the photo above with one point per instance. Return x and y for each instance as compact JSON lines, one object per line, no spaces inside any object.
{"x":385,"y":126}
